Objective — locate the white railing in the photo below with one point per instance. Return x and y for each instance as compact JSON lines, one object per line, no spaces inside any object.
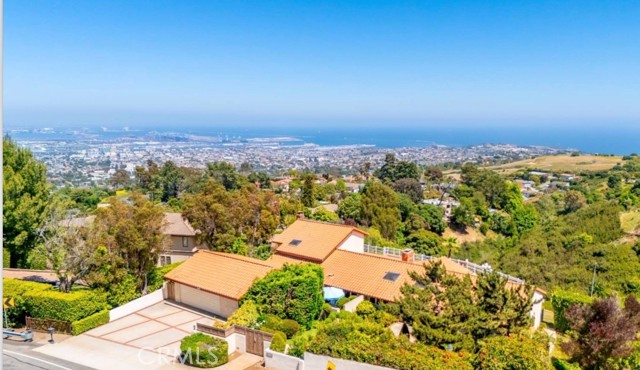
{"x":474,"y":268}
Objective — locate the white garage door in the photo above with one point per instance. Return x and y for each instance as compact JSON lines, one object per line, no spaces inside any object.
{"x":205,"y":301}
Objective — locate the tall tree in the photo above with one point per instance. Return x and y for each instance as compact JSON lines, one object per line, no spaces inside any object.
{"x":380,"y":208}
{"x":25,"y":194}
{"x":207,"y":212}
{"x":308,"y":190}
{"x":66,"y":246}
{"x":225,"y":173}
{"x":171,"y":178}
{"x":410,"y":187}
{"x":130,"y":236}
{"x":445,"y":309}
{"x":120,"y":178}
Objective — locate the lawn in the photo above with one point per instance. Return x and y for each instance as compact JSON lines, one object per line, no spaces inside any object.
{"x":630,"y":221}
{"x":561,"y":163}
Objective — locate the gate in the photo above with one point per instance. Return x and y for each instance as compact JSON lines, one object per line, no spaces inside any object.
{"x":171,"y":291}
{"x":254,"y":342}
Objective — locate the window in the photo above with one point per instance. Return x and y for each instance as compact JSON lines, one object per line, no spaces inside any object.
{"x":185,"y":242}
{"x":295,"y":242}
{"x":391,"y":276}
{"x":165,"y":260}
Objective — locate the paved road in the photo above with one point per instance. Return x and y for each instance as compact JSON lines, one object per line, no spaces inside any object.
{"x":19,"y":356}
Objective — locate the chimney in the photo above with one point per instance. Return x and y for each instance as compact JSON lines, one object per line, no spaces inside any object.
{"x":300,"y":215}
{"x":407,"y":255}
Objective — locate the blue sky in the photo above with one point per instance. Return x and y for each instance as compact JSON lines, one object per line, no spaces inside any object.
{"x":146,"y":62}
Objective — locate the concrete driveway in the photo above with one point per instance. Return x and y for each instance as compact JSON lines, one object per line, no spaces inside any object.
{"x":149,"y":338}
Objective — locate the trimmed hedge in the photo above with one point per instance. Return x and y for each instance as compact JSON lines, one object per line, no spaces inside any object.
{"x":16,"y":289}
{"x":278,"y":342}
{"x":201,"y":350}
{"x":365,"y":308}
{"x":73,"y":306}
{"x":90,"y":322}
{"x":156,"y":277}
{"x":561,"y":300}
{"x":247,"y":315}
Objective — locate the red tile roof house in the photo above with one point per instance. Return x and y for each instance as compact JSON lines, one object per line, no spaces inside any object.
{"x":215,"y":282}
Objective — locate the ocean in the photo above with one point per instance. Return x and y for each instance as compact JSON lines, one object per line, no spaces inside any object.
{"x":605,"y":139}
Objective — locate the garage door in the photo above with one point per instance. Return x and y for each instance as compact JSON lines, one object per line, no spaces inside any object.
{"x":205,"y":301}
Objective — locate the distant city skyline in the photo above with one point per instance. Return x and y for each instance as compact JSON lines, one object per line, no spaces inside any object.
{"x":128,"y":63}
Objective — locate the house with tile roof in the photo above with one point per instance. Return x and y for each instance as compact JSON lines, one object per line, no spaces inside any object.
{"x":339,"y":249}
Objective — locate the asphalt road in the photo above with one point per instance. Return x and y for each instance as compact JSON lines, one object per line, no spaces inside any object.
{"x":19,"y":356}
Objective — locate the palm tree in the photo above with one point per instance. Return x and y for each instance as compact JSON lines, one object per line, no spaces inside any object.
{"x":451,"y":243}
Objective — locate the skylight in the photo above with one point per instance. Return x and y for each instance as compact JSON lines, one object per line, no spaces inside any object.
{"x":391,"y":276}
{"x":295,"y":242}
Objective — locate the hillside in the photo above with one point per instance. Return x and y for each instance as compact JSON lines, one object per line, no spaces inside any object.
{"x":561,"y":163}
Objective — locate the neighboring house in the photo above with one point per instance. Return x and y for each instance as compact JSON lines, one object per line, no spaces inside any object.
{"x":314,"y":241}
{"x":181,"y":237}
{"x":215,"y":282}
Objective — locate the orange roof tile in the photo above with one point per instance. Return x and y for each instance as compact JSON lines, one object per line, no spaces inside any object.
{"x":224,"y":274}
{"x":364,"y":273}
{"x":316,"y":239}
{"x":278,"y":260}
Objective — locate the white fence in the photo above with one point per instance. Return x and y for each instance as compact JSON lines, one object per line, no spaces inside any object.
{"x":277,"y":360}
{"x":136,"y":305}
{"x":474,"y":268}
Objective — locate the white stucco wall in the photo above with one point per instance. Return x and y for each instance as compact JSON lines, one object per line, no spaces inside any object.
{"x":354,"y":243}
{"x":280,"y":361}
{"x":136,"y":305}
{"x":352,"y":305}
{"x":536,"y":309}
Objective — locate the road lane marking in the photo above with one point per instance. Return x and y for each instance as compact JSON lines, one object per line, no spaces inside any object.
{"x":35,"y":358}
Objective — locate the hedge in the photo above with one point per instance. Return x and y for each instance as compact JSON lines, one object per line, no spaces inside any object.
{"x":341,"y":302}
{"x":6,"y":258}
{"x":73,"y":306}
{"x":201,"y":350}
{"x":16,"y":289}
{"x":90,"y":322}
{"x":156,"y":277}
{"x":561,"y":300}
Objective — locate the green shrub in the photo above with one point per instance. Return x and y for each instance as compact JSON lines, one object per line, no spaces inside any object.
{"x":326,"y":311}
{"x":201,"y":350}
{"x":6,"y":258}
{"x":564,"y":365}
{"x":247,"y":315}
{"x":561,"y":300}
{"x":353,"y":338}
{"x":156,"y":278}
{"x":16,"y":289}
{"x":278,"y":342}
{"x":512,"y":353}
{"x":365,"y":308}
{"x":384,"y":318}
{"x":293,"y":292}
{"x":90,"y":322}
{"x":50,"y":304}
{"x":123,"y":292}
{"x":273,"y":323}
{"x":342,"y":301}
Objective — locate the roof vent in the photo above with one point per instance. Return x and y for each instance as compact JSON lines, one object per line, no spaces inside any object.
{"x":295,"y":242}
{"x":391,"y":276}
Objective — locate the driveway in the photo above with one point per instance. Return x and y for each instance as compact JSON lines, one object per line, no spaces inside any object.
{"x":149,"y":338}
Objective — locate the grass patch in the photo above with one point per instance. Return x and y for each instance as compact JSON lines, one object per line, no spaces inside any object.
{"x":561,"y":163}
{"x":630,"y":221}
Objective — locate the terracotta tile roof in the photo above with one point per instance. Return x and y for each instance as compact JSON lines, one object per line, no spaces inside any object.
{"x":224,"y":274}
{"x":177,"y":225}
{"x":312,"y":240}
{"x":364,"y":274}
{"x":278,"y":260}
